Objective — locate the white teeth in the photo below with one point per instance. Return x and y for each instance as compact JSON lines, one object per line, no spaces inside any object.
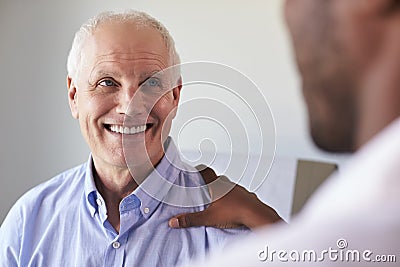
{"x":127,"y":130}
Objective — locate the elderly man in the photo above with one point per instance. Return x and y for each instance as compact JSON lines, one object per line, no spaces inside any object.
{"x":97,"y":214}
{"x":348,"y":53}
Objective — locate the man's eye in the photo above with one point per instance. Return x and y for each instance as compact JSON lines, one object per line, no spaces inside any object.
{"x":153,"y":82}
{"x":107,"y":83}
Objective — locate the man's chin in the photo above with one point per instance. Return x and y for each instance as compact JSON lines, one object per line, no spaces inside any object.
{"x":331,"y":143}
{"x":119,"y":161}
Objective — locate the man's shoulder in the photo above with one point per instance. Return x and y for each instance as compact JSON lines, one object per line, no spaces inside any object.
{"x":40,"y":209}
{"x":59,"y":186}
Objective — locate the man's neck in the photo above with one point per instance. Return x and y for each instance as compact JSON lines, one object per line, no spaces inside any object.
{"x":115,"y":183}
{"x":379,"y":94}
{"x":379,"y":99}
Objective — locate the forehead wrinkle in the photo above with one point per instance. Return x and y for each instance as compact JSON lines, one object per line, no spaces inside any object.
{"x":146,"y":56}
{"x":136,"y":56}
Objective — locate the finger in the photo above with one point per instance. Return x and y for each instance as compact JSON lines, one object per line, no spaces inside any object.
{"x":189,"y":220}
{"x":208,"y":174}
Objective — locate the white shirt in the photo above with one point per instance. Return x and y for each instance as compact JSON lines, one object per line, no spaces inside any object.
{"x":352,"y":220}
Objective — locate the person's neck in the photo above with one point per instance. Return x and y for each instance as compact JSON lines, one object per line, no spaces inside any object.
{"x":116,"y":182}
{"x":379,"y":99}
{"x":378,"y":114}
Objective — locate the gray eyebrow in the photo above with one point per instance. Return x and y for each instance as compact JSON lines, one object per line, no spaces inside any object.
{"x":146,"y":75}
{"x":105,"y":73}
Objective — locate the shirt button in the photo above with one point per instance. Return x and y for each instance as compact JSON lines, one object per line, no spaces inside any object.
{"x":146,"y":210}
{"x":99,"y":202}
{"x":116,"y":244}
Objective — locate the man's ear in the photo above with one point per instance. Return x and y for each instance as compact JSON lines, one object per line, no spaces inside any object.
{"x":379,"y":7}
{"x":390,"y":6}
{"x":72,"y":97}
{"x":176,"y":92}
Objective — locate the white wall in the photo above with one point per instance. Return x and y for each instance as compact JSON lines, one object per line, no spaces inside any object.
{"x":39,"y":138}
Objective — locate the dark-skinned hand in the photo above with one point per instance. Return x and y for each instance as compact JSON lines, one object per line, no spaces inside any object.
{"x":236,"y":208}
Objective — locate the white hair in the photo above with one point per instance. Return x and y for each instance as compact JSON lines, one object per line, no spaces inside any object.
{"x":139,"y":18}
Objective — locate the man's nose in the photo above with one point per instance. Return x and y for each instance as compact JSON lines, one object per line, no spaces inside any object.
{"x":131,"y":101}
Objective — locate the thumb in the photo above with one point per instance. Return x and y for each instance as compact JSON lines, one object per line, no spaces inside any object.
{"x":189,"y":220}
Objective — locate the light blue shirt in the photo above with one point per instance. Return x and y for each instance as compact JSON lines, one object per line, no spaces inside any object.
{"x":63,"y":222}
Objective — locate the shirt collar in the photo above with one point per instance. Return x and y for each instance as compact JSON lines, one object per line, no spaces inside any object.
{"x":158,"y":183}
{"x":90,"y":187}
{"x":153,"y":189}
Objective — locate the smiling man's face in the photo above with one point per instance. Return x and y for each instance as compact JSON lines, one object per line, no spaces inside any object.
{"x":117,"y":60}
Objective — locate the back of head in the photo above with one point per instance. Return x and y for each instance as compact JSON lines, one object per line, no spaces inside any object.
{"x":348,"y":54}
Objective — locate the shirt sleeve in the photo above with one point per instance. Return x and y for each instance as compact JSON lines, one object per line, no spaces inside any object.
{"x":219,"y":239}
{"x":10,"y":238}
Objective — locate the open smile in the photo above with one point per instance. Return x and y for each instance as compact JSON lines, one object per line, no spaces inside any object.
{"x":128,"y":130}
